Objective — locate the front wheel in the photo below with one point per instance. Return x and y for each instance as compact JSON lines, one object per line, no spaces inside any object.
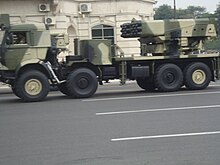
{"x":14,"y":91}
{"x":32,"y":86}
{"x":82,"y":83}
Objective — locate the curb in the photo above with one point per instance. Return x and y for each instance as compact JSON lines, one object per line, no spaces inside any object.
{"x":4,"y":86}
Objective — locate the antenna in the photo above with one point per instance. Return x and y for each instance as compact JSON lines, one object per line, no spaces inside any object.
{"x":174,"y":4}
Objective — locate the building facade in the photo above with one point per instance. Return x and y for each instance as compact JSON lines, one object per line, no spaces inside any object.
{"x":83,"y":19}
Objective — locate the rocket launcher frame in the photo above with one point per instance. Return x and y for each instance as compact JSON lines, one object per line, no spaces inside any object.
{"x":170,"y":37}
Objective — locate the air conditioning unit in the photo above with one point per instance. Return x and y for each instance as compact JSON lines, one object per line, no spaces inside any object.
{"x":85,"y":7}
{"x":50,"y":20}
{"x":44,"y":7}
{"x":55,"y":2}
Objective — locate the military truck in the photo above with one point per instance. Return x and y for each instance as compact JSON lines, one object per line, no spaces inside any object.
{"x":172,"y":55}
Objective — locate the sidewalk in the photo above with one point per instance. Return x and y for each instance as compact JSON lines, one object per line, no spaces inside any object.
{"x":3,"y":86}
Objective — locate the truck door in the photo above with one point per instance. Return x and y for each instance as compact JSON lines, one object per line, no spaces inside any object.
{"x":18,"y":49}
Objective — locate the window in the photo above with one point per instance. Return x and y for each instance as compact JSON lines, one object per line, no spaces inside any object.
{"x":19,"y":38}
{"x":103,"y":32}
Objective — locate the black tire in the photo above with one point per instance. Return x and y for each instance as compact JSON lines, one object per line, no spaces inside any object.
{"x":14,"y":91}
{"x":197,"y":76}
{"x":168,"y":78}
{"x":63,"y":89}
{"x":82,"y":83}
{"x":146,"y":84}
{"x":32,"y":86}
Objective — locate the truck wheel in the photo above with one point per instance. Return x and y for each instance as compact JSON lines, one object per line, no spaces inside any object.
{"x":168,"y":78}
{"x":82,"y":83}
{"x":197,"y":76}
{"x":32,"y":86}
{"x":145,"y":84}
{"x":14,"y":91}
{"x":63,"y":89}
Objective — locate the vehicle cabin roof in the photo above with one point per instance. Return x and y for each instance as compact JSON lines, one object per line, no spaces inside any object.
{"x":28,"y":27}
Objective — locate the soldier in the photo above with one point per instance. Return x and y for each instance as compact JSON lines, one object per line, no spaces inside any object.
{"x":21,"y":38}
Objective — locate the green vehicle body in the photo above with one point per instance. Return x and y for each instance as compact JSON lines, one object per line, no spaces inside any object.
{"x":170,"y":37}
{"x":172,"y":55}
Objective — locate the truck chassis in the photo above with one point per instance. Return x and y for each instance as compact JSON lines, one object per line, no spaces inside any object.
{"x":169,"y":60}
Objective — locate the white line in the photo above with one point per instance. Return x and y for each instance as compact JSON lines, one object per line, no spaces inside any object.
{"x":157,"y":110}
{"x":165,"y":136}
{"x":152,"y":96}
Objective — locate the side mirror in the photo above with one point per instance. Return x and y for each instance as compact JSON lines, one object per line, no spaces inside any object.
{"x":9,"y":39}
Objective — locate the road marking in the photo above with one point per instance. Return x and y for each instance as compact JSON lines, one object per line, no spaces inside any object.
{"x":152,"y":96}
{"x":165,"y":136}
{"x":157,"y":110}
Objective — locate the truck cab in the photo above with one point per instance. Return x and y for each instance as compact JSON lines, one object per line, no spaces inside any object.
{"x":24,"y":42}
{"x":24,"y":51}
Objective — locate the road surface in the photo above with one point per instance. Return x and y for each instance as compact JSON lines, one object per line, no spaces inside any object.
{"x":120,"y":125}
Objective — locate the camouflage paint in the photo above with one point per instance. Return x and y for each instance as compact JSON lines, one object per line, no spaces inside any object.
{"x":170,"y":37}
{"x":98,"y":52}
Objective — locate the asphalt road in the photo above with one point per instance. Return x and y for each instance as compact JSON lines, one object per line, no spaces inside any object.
{"x":120,"y":125}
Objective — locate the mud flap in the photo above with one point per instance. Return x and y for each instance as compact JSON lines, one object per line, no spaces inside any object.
{"x":217,"y":68}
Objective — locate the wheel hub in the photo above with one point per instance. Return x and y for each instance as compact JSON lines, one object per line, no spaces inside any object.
{"x":33,"y":87}
{"x":169,"y":78}
{"x":83,"y":83}
{"x":199,"y":77}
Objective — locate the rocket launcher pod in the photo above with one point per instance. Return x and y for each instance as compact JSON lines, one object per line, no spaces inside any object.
{"x":170,"y":36}
{"x":186,"y":27}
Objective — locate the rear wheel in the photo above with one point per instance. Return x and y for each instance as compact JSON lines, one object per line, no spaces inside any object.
{"x":63,"y":89}
{"x":146,"y":84}
{"x":32,"y":86}
{"x":168,"y":78}
{"x":14,"y":91}
{"x":197,"y":76}
{"x":82,"y":83}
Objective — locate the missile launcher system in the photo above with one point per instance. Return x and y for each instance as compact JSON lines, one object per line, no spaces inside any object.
{"x":170,"y":37}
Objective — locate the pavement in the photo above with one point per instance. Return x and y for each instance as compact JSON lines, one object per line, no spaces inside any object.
{"x":118,"y":126}
{"x":2,"y":85}
{"x":5,"y":86}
